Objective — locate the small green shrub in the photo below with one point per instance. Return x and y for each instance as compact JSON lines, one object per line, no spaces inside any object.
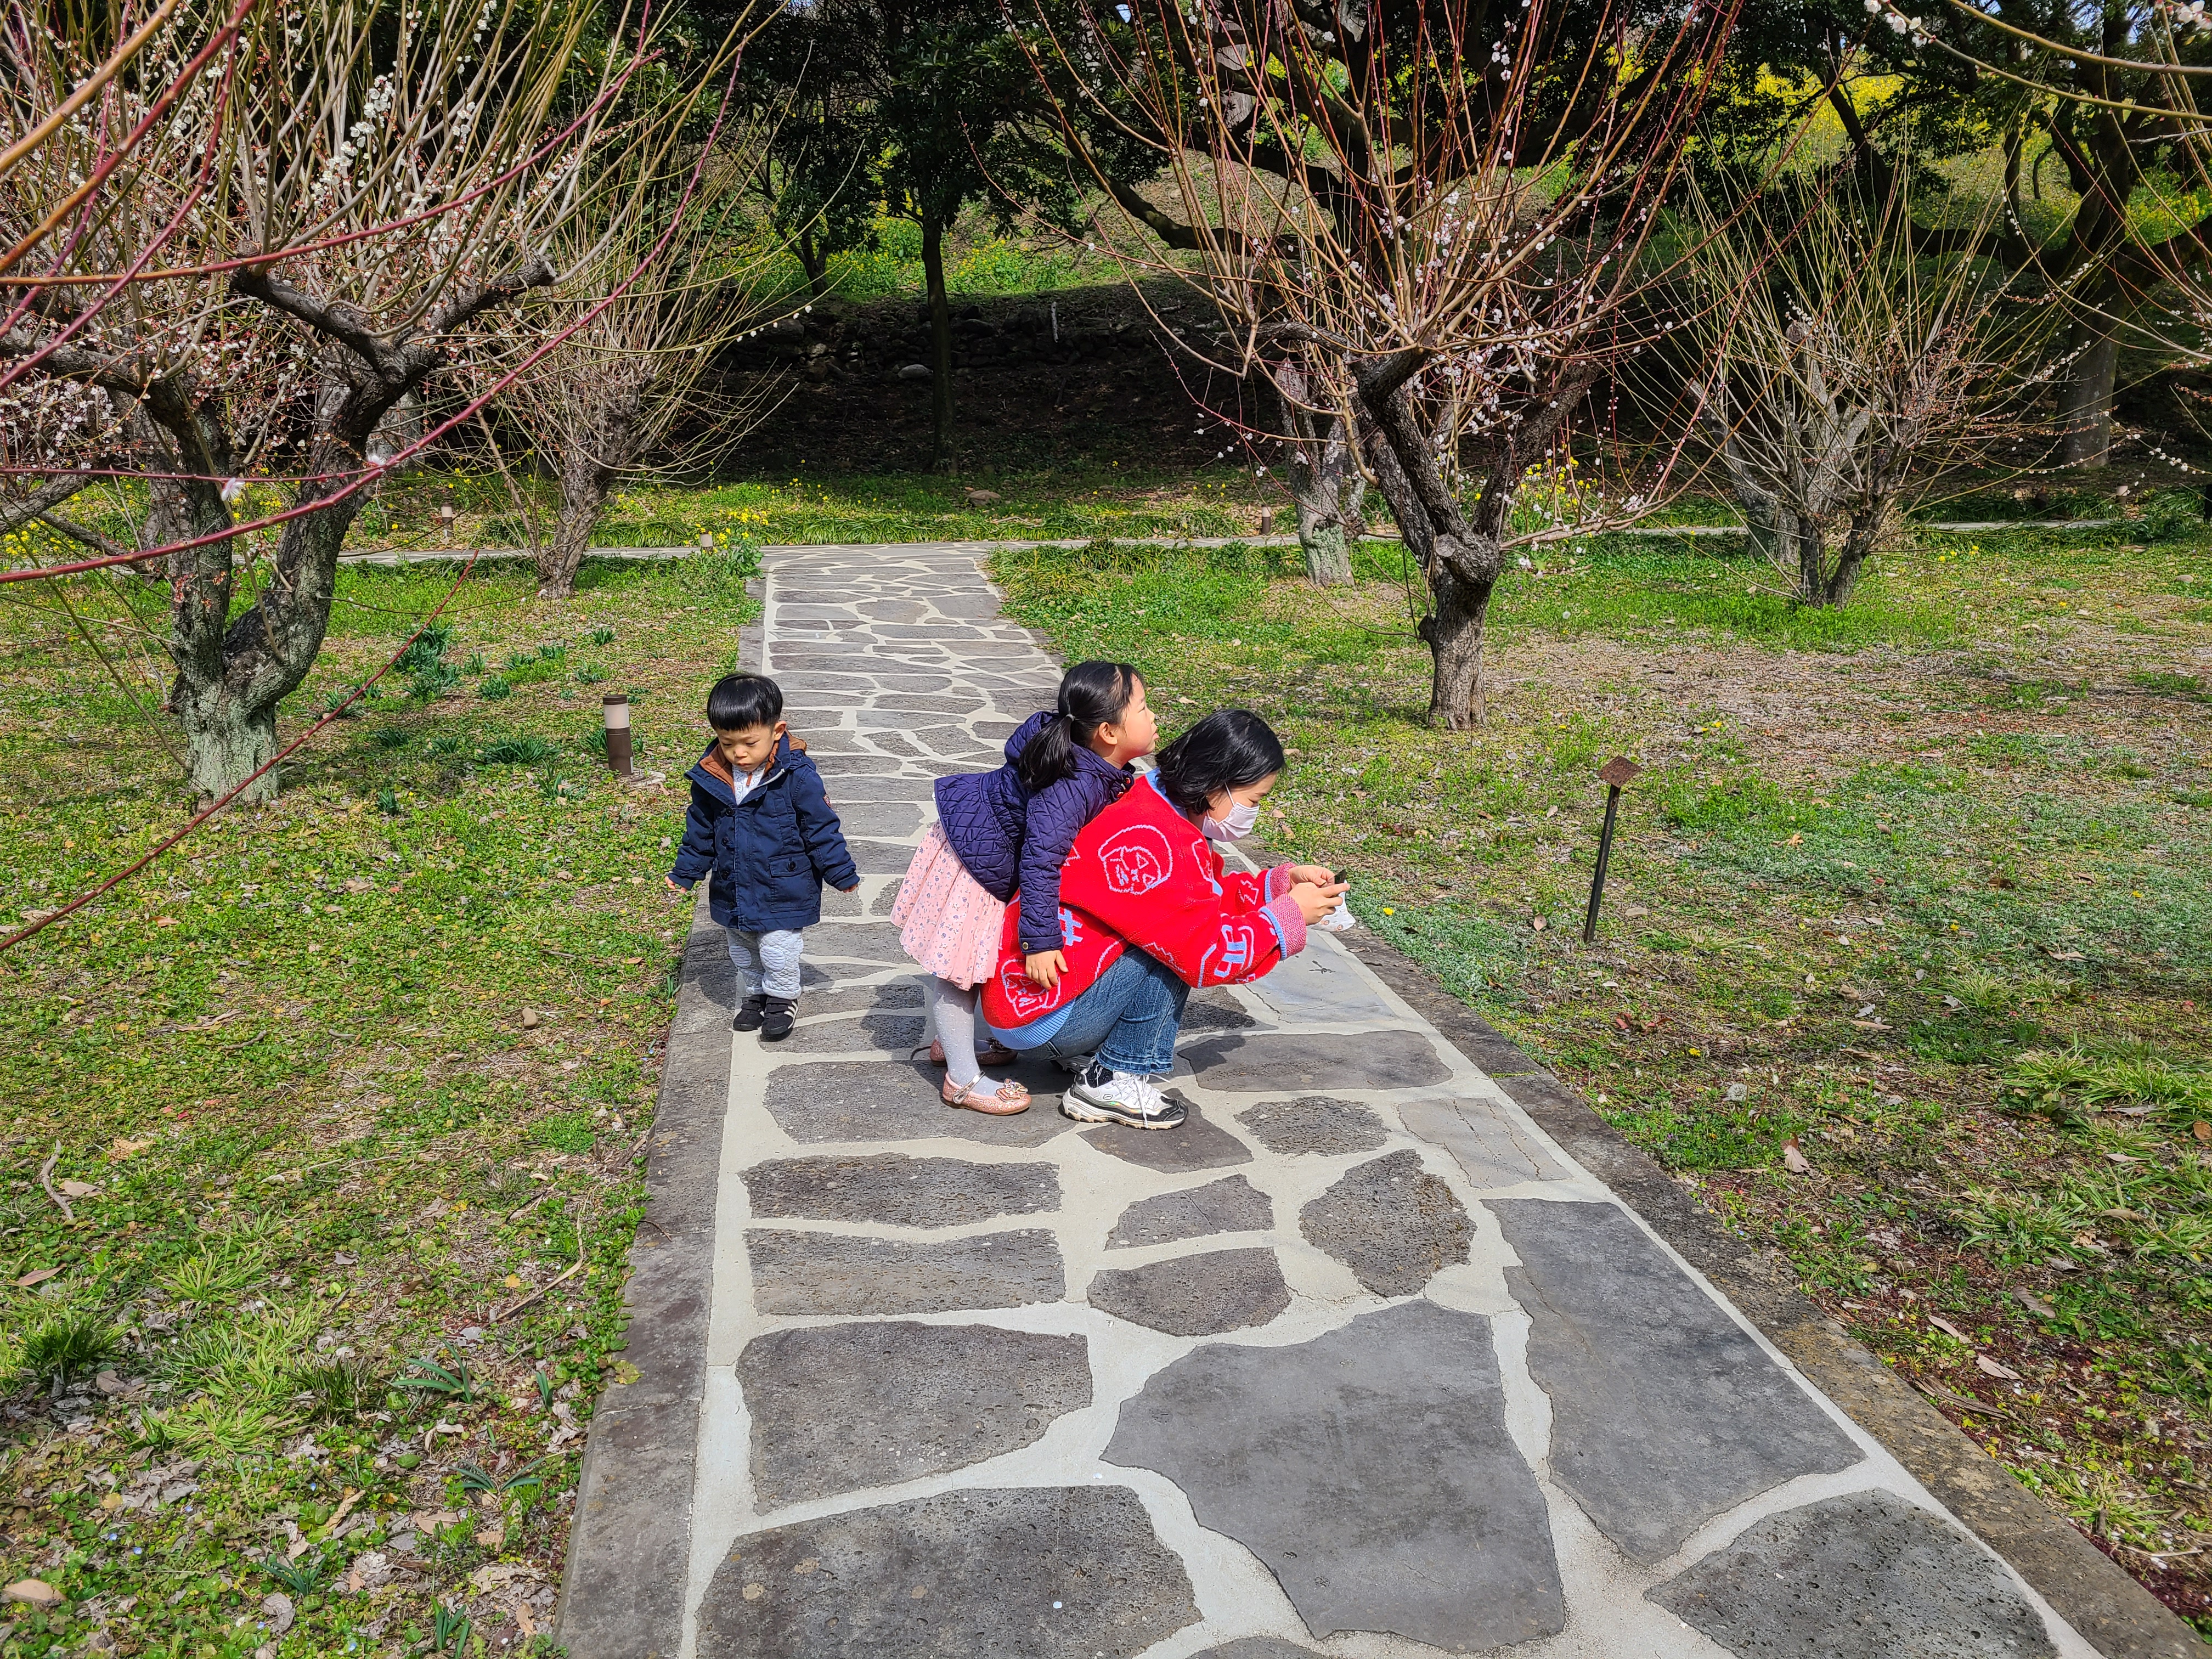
{"x":600,"y":635}
{"x":67,"y":1343}
{"x":493,"y":690}
{"x":390,"y":737}
{"x":565,"y":1132}
{"x":526,"y":750}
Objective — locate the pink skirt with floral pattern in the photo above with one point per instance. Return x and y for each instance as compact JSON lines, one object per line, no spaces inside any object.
{"x":946,"y":921}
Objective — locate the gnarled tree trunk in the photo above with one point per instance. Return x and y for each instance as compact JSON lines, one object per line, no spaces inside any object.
{"x":594,"y":455}
{"x":1326,"y":487}
{"x":2085,"y":398}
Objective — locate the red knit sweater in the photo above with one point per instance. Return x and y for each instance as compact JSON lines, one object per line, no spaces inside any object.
{"x":1141,"y":874}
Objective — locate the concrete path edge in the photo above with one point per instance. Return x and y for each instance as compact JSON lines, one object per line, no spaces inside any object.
{"x":2111,"y":1611}
{"x":629,"y":1547}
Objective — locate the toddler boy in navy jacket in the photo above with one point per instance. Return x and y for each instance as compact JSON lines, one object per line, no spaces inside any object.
{"x":763,"y":831}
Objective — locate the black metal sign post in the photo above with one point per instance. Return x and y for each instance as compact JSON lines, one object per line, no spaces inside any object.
{"x":1617,"y":773}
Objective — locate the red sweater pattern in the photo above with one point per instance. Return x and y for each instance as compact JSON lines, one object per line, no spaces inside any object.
{"x":1141,"y":874}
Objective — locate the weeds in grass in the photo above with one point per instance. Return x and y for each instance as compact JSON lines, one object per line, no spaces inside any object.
{"x":229,"y":1429}
{"x":526,"y":750}
{"x":390,"y":737}
{"x":218,"y":1272}
{"x":301,"y":1578}
{"x":452,"y":1382}
{"x":450,"y":1631}
{"x":2068,"y":1081}
{"x":67,"y":1342}
{"x":494,"y":689}
{"x":600,"y":635}
{"x":339,"y":1388}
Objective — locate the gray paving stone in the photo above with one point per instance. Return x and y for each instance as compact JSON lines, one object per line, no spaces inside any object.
{"x":1867,"y":1575}
{"x":1257,"y":1647}
{"x":1664,"y":1413}
{"x":899,"y":994}
{"x":810,"y":1272}
{"x":1194,"y":1295}
{"x":1370,"y":1469}
{"x":887,"y":1033}
{"x":899,"y":1191}
{"x":883,"y":819}
{"x":1213,"y":1009}
{"x":1321,"y":986}
{"x":1391,"y":1222}
{"x":839,"y":1407}
{"x":894,"y":1100}
{"x":1197,"y":1145}
{"x":856,"y":941}
{"x":965,"y":1575}
{"x":1315,"y":1123}
{"x":1267,"y":1063}
{"x":879,"y":858}
{"x":1232,"y":1205}
{"x":1488,"y":1146}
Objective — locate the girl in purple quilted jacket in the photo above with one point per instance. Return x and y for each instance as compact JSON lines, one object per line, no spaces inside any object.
{"x":1008,"y":831}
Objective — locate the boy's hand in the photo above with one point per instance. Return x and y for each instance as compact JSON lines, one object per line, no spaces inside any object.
{"x":672,"y":887}
{"x":1045,"y":967}
{"x":854,"y":888}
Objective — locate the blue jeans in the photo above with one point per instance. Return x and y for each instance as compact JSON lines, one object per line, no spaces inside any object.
{"x":1130,"y":1017}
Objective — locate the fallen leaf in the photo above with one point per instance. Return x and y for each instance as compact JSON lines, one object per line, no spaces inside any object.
{"x":1794,"y":1158}
{"x":76,"y":1188}
{"x":2202,"y":1131}
{"x":38,"y":1278}
{"x":123,"y":1149}
{"x":32,"y":1592}
{"x":165,"y":922}
{"x":345,"y":1508}
{"x":2121,"y":1157}
{"x":1536,"y":924}
{"x":2035,"y":1305}
{"x":276,"y":1608}
{"x":512,"y":1282}
{"x":1950,"y":1330}
{"x":632,"y":962}
{"x":1989,"y":1367}
{"x":491,"y":1538}
{"x":2065,"y":955}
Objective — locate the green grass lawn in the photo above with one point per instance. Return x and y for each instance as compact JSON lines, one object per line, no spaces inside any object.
{"x":1918,"y":890}
{"x":329,"y":1091}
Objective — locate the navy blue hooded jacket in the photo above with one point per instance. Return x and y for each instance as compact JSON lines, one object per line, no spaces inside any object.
{"x":769,"y":853}
{"x":1012,"y":840}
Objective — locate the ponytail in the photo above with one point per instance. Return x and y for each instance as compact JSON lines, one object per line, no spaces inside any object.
{"x":1092,"y":695}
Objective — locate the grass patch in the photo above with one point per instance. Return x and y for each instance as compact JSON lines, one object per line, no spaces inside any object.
{"x":288,"y":1062}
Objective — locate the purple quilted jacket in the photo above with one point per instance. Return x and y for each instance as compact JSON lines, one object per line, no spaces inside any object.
{"x":1014,"y":841}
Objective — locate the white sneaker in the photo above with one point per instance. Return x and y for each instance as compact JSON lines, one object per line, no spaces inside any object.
{"x":1102,"y":1096}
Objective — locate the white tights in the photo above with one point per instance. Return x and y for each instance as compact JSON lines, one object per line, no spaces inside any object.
{"x":952,"y":1023}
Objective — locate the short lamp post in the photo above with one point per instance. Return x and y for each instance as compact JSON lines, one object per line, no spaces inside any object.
{"x":1616,"y":773}
{"x":615,"y":711}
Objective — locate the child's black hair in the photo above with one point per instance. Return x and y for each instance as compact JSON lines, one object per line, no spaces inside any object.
{"x":1092,"y":695}
{"x":1229,"y":749}
{"x":740,"y":700}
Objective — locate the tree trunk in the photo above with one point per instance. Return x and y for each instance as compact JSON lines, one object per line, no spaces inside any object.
{"x":1453,"y":633}
{"x":226,"y":741}
{"x":584,"y":484}
{"x":2085,"y":401}
{"x":1326,"y":486}
{"x":814,"y":262}
{"x":1319,"y":498}
{"x":940,"y":343}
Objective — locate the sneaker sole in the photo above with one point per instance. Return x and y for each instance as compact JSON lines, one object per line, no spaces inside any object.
{"x":1083,"y":1110}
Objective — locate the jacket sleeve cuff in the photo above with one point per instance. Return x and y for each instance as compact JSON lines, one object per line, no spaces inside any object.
{"x":1290,"y":924}
{"x":1279,"y":881}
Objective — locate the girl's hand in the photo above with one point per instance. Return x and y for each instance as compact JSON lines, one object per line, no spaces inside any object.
{"x":1315,"y":900}
{"x":1045,"y":967}
{"x":1312,"y":873}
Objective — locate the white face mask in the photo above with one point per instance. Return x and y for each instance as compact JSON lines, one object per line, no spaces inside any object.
{"x":1244,"y":818}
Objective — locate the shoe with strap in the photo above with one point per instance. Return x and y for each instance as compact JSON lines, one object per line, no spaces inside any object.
{"x":999,"y":1099}
{"x":1103,"y":1096}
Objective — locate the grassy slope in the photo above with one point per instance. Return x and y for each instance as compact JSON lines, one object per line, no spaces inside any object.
{"x":291,"y":1062}
{"x":1880,"y":854}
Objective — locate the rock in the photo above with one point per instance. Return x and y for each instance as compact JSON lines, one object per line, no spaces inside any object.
{"x":898,"y":1191}
{"x":1866,"y":1576}
{"x":1257,"y":1647}
{"x":1271,"y":1063}
{"x":1197,"y":1145}
{"x":1370,"y":1469}
{"x":915,"y":372}
{"x":32,"y":1592}
{"x":1195,"y":1295}
{"x":796,"y":1272}
{"x":1391,"y":1222}
{"x":837,"y":1408}
{"x":982,"y":497}
{"x":1489,"y":1147}
{"x":1037,"y":1569}
{"x":1232,"y":1205}
{"x":1665,"y":1412}
{"x":1315,"y":1123}
{"x":530,"y":1020}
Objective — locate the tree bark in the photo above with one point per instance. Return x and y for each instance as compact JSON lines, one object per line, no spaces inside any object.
{"x":813,"y":261}
{"x":594,"y":453}
{"x":940,"y":343}
{"x":2085,"y":401}
{"x":1326,"y":486}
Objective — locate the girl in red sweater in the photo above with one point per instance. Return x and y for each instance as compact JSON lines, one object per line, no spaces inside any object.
{"x":1147,"y":911}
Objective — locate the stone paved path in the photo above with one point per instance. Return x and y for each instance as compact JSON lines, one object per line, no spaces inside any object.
{"x":1358,"y":1362}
